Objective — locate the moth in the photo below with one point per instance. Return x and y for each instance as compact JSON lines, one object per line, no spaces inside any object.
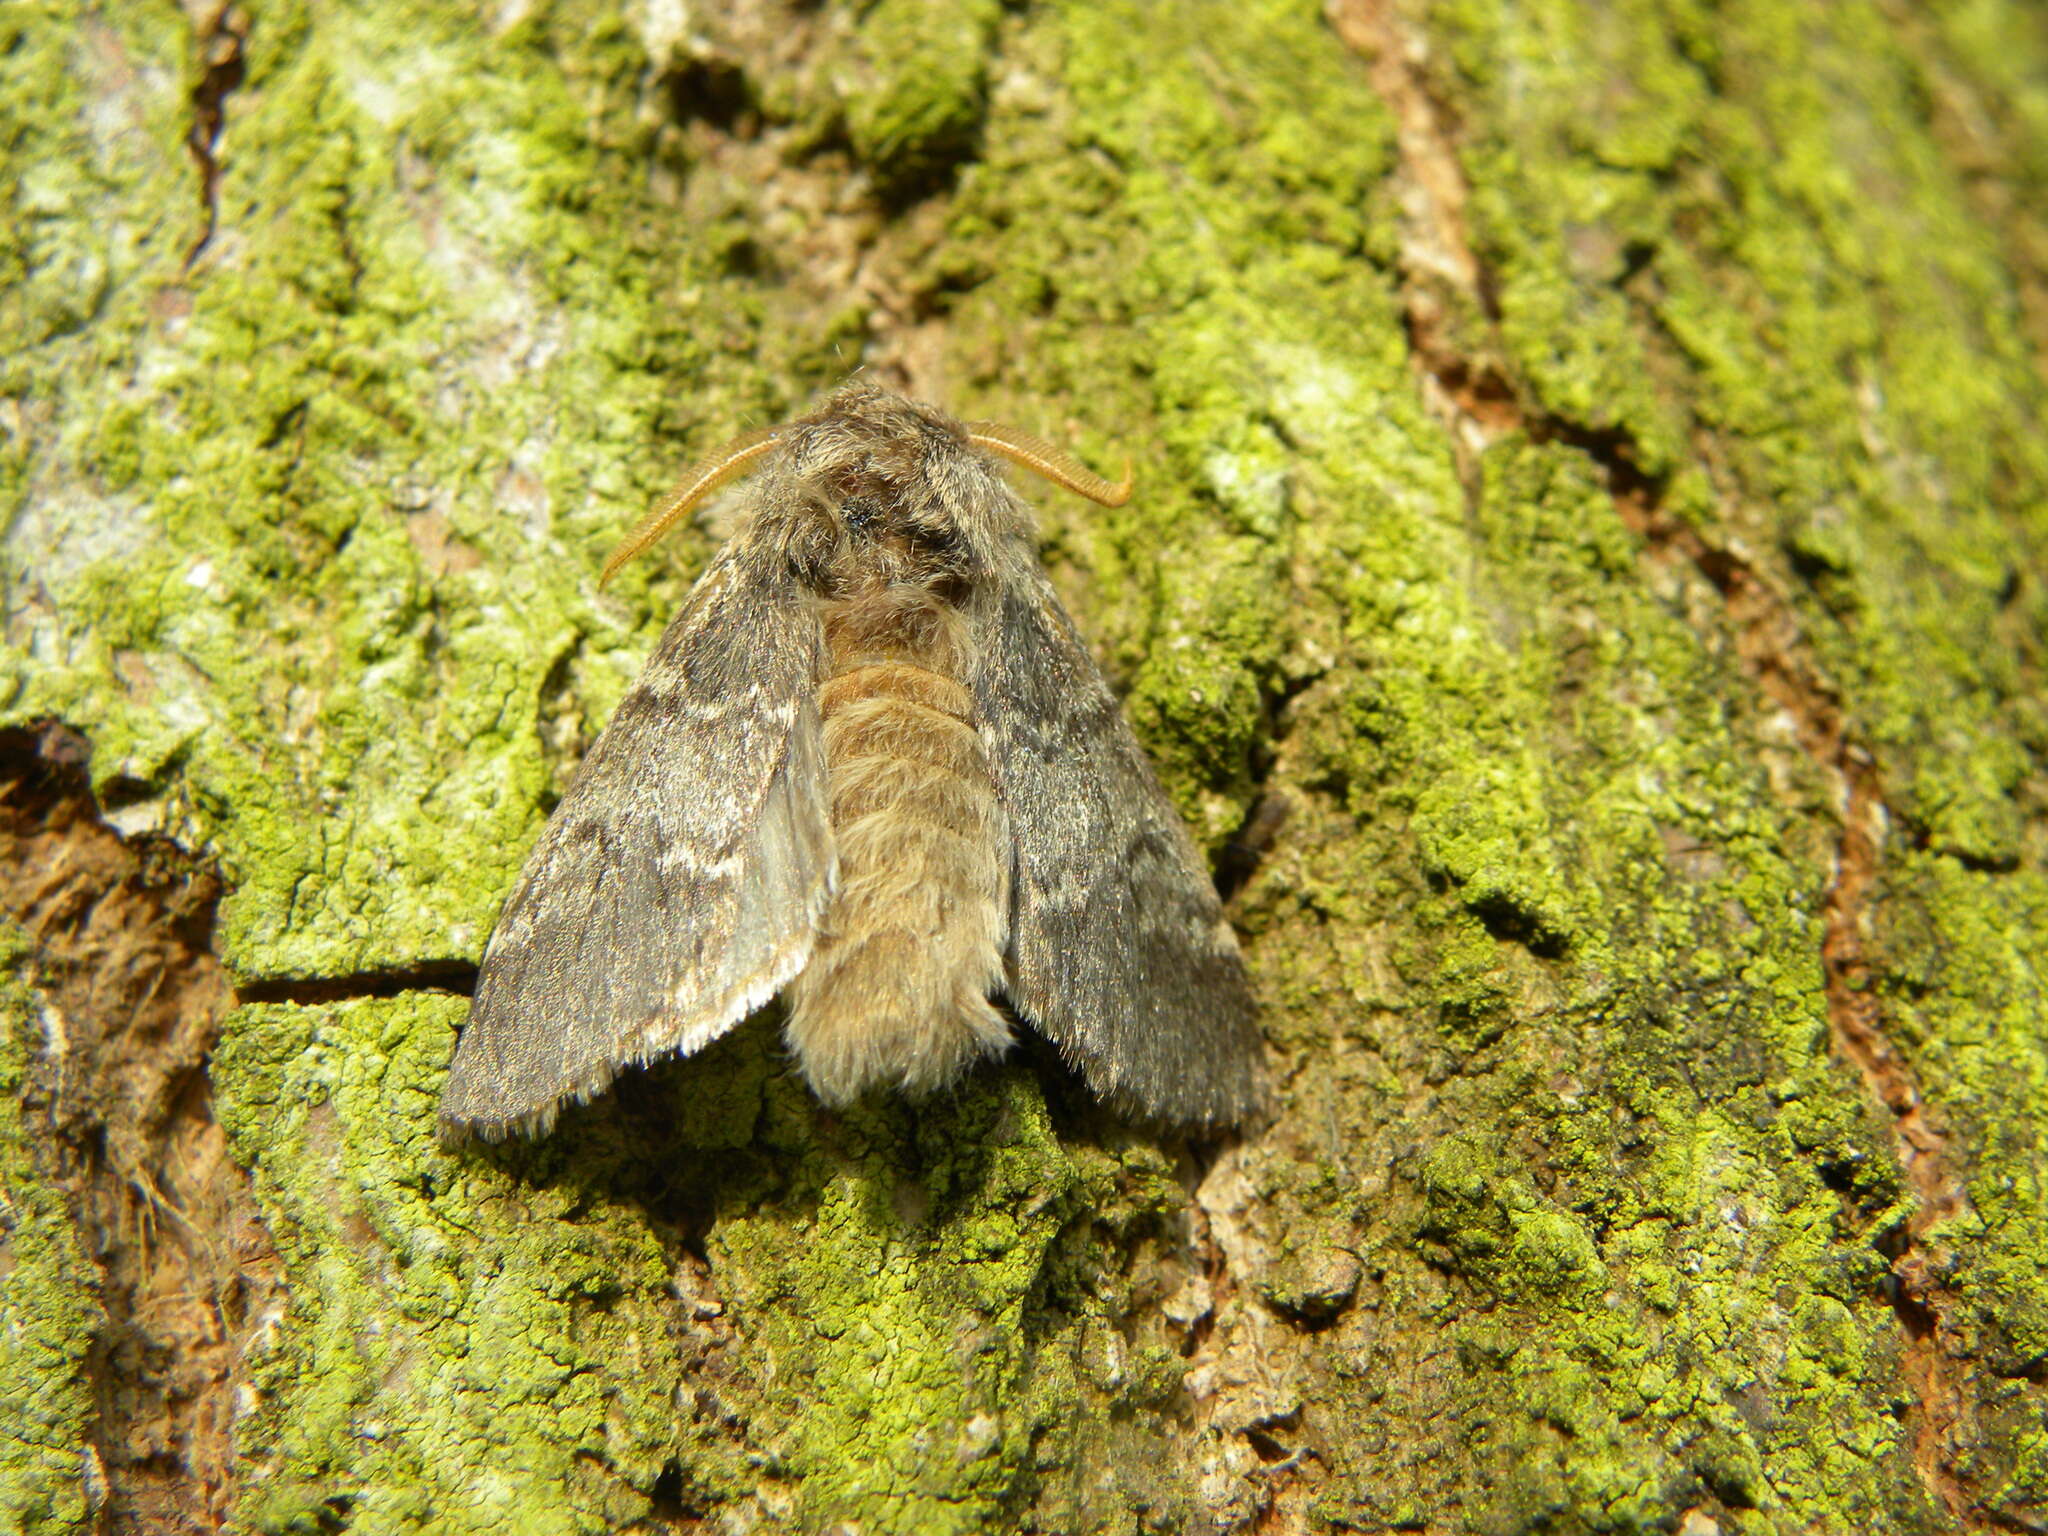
{"x":871,"y":766}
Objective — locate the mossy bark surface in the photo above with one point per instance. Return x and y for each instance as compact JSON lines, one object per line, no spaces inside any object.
{"x":1587,"y":588}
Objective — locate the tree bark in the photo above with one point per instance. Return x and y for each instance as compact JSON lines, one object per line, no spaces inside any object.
{"x":1586,"y":589}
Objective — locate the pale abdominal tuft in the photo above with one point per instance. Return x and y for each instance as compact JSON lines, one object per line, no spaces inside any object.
{"x":896,"y":993}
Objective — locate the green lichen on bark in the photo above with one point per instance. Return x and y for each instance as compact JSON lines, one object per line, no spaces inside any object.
{"x":49,"y":1310}
{"x":922,"y":88}
{"x":889,"y":1265}
{"x":1579,"y":914}
{"x":1566,"y":1162}
{"x":306,"y":600}
{"x":471,"y":1344}
{"x":1785,"y":259}
{"x":1753,"y":209}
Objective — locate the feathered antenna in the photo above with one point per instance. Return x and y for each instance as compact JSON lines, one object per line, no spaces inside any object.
{"x":1041,"y":458}
{"x":705,"y":476}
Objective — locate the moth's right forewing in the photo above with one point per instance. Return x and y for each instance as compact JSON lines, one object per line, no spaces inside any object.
{"x":680,"y":881}
{"x":1119,"y":951}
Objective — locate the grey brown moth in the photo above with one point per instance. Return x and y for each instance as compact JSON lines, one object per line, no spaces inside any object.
{"x":871,"y":766}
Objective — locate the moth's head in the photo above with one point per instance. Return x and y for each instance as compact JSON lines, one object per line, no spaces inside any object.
{"x":881,"y":466}
{"x":868,"y":453}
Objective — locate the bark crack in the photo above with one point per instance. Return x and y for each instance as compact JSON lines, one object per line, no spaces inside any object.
{"x":1477,"y":402}
{"x":449,"y":976}
{"x":220,"y":31}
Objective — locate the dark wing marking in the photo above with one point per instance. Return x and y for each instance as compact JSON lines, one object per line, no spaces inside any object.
{"x":679,"y":883}
{"x":1119,"y":952}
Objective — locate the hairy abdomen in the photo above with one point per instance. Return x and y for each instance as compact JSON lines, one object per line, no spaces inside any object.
{"x":897,"y":990}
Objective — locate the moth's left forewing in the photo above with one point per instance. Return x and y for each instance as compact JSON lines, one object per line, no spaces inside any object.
{"x":1119,"y":950}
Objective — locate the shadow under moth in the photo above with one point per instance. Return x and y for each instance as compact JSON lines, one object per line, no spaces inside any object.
{"x":871,"y":766}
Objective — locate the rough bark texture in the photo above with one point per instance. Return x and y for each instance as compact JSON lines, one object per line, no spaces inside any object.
{"x":1587,"y":587}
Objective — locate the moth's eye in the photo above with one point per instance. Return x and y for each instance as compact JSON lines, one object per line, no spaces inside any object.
{"x":859,"y":513}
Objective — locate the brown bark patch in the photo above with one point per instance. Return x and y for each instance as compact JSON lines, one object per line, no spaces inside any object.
{"x":122,"y":953}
